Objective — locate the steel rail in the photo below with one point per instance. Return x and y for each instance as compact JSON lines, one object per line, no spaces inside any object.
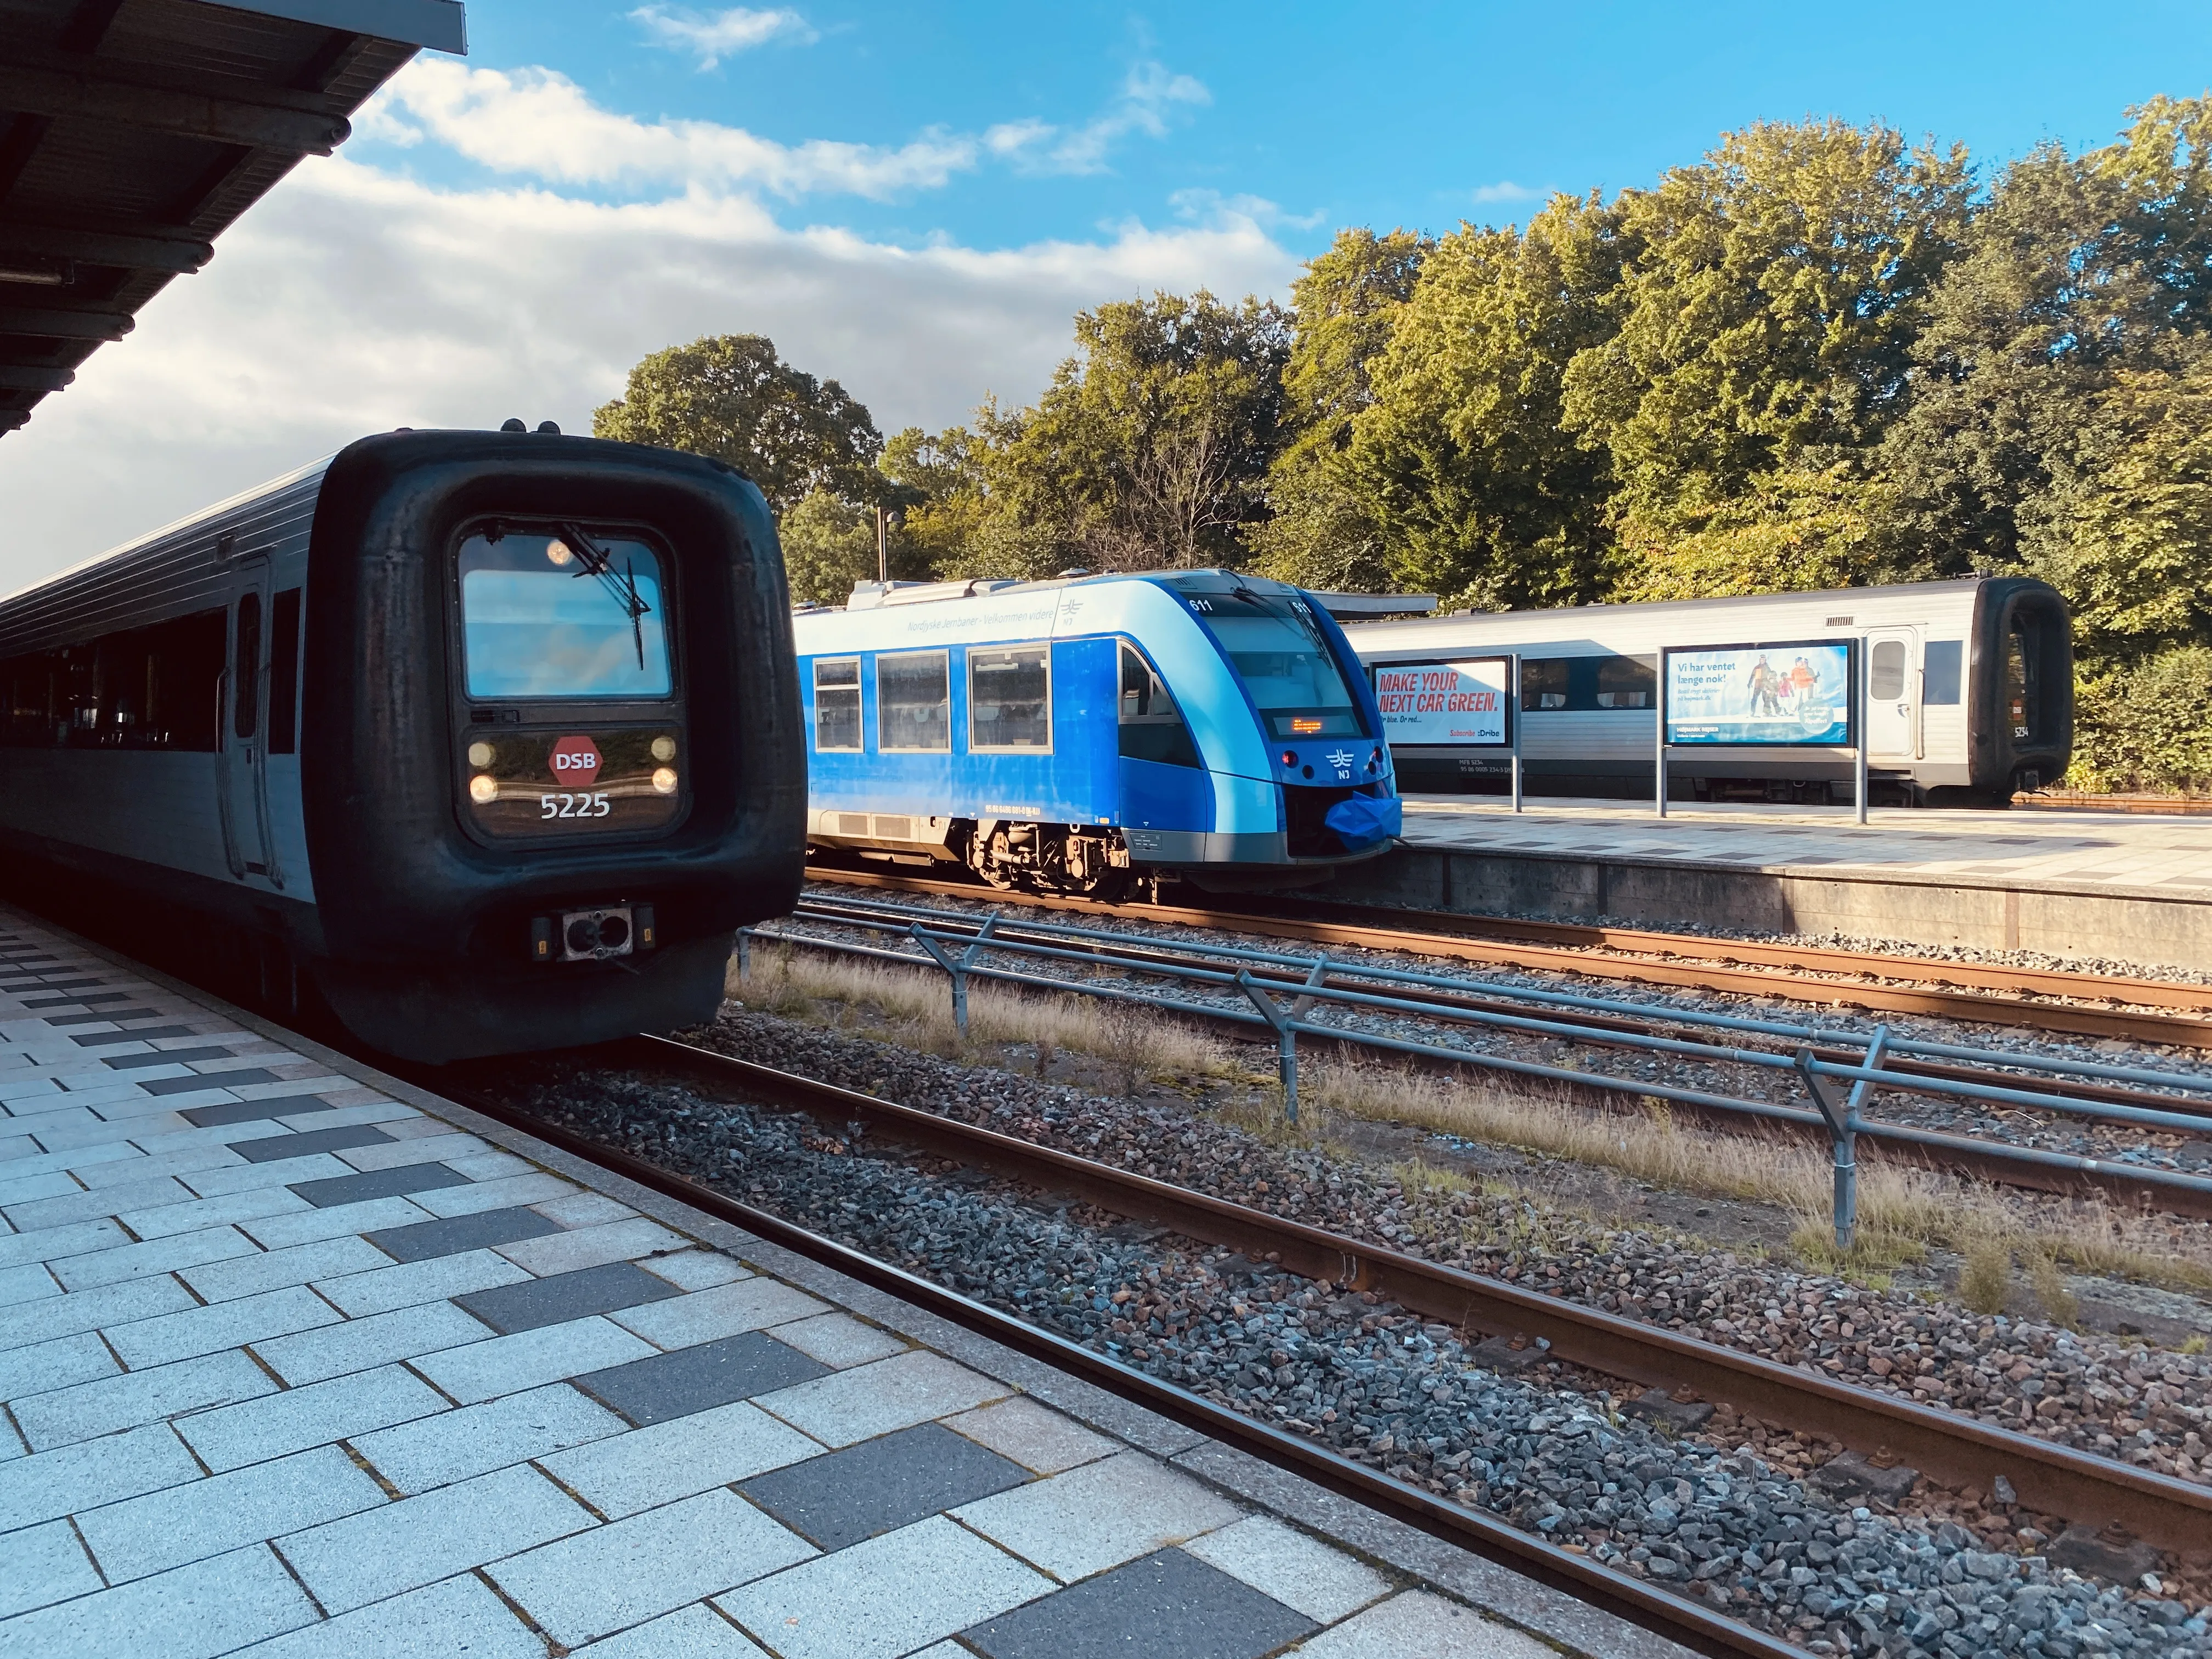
{"x":2171,"y":1514}
{"x":1635,"y":1600}
{"x":1629,"y":1018}
{"x":2032,"y":1166}
{"x":2181,"y":1029}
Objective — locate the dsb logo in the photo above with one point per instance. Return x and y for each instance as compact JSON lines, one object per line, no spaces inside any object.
{"x":575,"y":760}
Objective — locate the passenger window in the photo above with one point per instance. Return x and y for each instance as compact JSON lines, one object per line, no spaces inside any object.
{"x":914,"y":701}
{"x":837,"y":703}
{"x":1009,"y":698}
{"x":246,"y":668}
{"x":1152,"y":728}
{"x":285,"y":672}
{"x":2021,"y":687}
{"x":1626,"y":681}
{"x":1885,"y":671}
{"x":1939,"y":682}
{"x":1544,"y":683}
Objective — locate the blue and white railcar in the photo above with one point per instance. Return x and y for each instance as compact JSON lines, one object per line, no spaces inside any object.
{"x":1091,"y":735}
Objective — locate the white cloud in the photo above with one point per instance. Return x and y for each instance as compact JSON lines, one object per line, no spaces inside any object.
{"x":353,"y":302}
{"x":538,"y":122}
{"x":1506,"y":190}
{"x":1150,"y":95}
{"x":712,"y":36}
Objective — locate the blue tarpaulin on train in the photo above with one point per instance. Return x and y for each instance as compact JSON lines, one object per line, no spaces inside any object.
{"x":1362,"y":820}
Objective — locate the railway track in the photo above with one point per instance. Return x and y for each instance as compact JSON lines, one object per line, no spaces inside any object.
{"x":2041,"y":1169}
{"x":2155,"y":1012}
{"x":2090,"y":1491}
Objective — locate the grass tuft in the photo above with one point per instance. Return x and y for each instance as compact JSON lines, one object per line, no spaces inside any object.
{"x":1985,"y":1276}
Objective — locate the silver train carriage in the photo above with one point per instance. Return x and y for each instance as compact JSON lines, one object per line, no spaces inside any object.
{"x":481,"y":742}
{"x":1970,"y":686}
{"x":1094,"y":736}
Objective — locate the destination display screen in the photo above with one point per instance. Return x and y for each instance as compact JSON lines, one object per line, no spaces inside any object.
{"x":1457,"y":703}
{"x":1797,"y":693}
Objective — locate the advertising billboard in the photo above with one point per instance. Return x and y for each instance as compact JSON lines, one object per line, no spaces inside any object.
{"x":1459,"y":704}
{"x":1797,"y":692}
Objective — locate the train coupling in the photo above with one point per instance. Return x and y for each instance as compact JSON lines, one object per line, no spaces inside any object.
{"x":615,"y":930}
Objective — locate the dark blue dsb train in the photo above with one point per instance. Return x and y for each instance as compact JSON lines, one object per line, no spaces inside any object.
{"x":488,"y":741}
{"x":1094,"y":736}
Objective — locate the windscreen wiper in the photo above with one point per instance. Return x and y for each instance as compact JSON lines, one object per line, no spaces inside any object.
{"x":621,"y":585}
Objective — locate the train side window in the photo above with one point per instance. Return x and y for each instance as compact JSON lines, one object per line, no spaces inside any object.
{"x":1544,"y":683}
{"x":1940,"y":679}
{"x":837,"y":704}
{"x":1885,"y":671}
{"x":285,"y":672}
{"x":1626,"y":681}
{"x":1009,"y":698}
{"x":2023,"y":689}
{"x":246,"y":668}
{"x":140,"y":687}
{"x":1152,"y":728}
{"x":914,"y":704}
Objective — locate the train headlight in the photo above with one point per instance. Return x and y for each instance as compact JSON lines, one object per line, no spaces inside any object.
{"x":480,"y":755}
{"x":664,"y":779}
{"x":484,"y":789}
{"x":664,"y":749}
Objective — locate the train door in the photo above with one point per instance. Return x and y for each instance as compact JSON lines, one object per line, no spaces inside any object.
{"x":1893,"y":694}
{"x":242,"y":758}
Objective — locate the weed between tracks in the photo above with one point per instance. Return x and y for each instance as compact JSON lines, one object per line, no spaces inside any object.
{"x":1905,"y":1211}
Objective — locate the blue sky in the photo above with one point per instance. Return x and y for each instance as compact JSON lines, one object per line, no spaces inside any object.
{"x":916,"y":200}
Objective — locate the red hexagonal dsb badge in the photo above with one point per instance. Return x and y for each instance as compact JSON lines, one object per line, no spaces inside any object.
{"x":575,"y":761}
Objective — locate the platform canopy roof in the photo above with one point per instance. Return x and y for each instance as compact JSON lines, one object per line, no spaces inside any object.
{"x":132,"y":132}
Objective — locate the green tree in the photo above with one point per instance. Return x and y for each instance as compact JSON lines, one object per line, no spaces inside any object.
{"x":2147,"y":725}
{"x":1151,"y":445}
{"x":828,"y":544}
{"x":731,"y":397}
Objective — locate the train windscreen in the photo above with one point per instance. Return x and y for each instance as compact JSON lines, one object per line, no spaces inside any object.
{"x":1279,"y":651}
{"x":562,"y":616}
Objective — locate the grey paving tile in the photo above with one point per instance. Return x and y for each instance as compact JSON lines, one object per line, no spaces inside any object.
{"x":695,"y":1270}
{"x":378,"y":1183}
{"x":509,"y":1365}
{"x":233,"y":1078}
{"x":44,"y":1183}
{"x":244,"y":1177}
{"x":143,"y":1034}
{"x":141,"y":1536}
{"x":106,"y":1404}
{"x":747,"y":1304}
{"x":1419,"y":1623}
{"x":88,"y":1310}
{"x":419,"y":1541}
{"x":269,"y":1270}
{"x":694,"y":1632}
{"x":249,"y":1111}
{"x":195,"y":1612}
{"x":529,"y":1303}
{"x":585,"y":1209}
{"x":1033,"y":1436}
{"x":160,"y":1255}
{"x":231,"y":1437}
{"x":627,"y":1473}
{"x":613,"y":1577}
{"x":380,"y":1289}
{"x":839,"y":1340}
{"x":42,"y":1564}
{"x":662,"y":1385}
{"x":262,"y":1149}
{"x":52,"y":1243}
{"x":885,"y":1597}
{"x":193,"y":1161}
{"x":44,"y":1366}
{"x":280,"y":1232}
{"x":1301,"y":1572}
{"x":49,"y":1484}
{"x":1099,"y":1516}
{"x":210,"y":1213}
{"x":164,"y":1057}
{"x":493,"y":1165}
{"x":459,"y":1445}
{"x":32,"y":1282}
{"x":892,"y":1393}
{"x":87,"y":1205}
{"x":360,"y":1344}
{"x":220,"y":1325}
{"x":530,"y":1188}
{"x":590,"y":1247}
{"x":880,"y":1485}
{"x":395,"y":1150}
{"x":457,"y":1618}
{"x":476,"y":1231}
{"x":1167,"y":1606}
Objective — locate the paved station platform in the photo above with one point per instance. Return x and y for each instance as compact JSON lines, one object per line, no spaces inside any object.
{"x":299,"y":1361}
{"x":2077,"y":884}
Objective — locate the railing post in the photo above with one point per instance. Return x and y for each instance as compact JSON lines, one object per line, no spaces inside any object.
{"x":1844,"y":1125}
{"x":745,"y":955}
{"x":957,"y":969}
{"x":1286,"y":1037}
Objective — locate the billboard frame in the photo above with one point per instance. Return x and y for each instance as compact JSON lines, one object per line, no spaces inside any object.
{"x":1853,"y":724}
{"x":1509,"y":695}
